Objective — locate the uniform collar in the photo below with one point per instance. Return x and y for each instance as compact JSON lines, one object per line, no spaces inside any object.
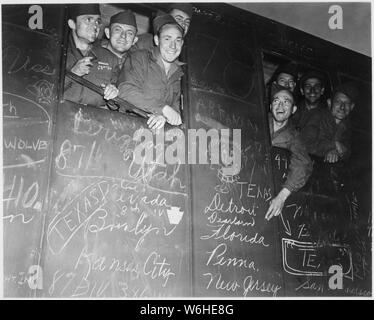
{"x":77,"y":52}
{"x":303,"y":106}
{"x":107,"y":46}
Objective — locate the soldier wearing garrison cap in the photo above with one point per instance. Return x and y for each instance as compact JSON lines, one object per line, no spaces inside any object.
{"x":89,"y":61}
{"x":312,"y":108}
{"x":312,"y":87}
{"x":122,"y":34}
{"x":150,"y":79}
{"x":181,"y":12}
{"x":286,"y":76}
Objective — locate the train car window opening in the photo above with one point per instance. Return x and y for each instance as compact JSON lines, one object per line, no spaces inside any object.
{"x":91,"y":85}
{"x":271,"y":61}
{"x":331,"y":174}
{"x":144,"y":15}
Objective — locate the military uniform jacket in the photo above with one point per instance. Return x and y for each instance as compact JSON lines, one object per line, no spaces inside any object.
{"x":105,"y":70}
{"x":300,"y":167}
{"x":144,"y":83}
{"x":329,"y":132}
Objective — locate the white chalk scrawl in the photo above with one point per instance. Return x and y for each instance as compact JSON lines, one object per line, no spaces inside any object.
{"x":174,"y":215}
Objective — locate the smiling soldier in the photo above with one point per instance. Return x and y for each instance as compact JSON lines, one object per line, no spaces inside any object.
{"x":122,"y":34}
{"x":150,"y":80}
{"x":334,"y":139}
{"x":181,"y":12}
{"x":283,"y":135}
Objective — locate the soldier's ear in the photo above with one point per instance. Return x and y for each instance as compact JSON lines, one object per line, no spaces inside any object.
{"x":71,"y":24}
{"x":302,"y":91}
{"x":329,"y":102}
{"x":294,"y":108}
{"x":352,"y":106}
{"x":156,"y":40}
{"x":322,"y":90}
{"x":135,"y":40}
{"x":107,"y":32}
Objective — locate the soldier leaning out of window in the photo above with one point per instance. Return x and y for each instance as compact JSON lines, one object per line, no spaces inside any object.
{"x":150,"y":79}
{"x":181,"y":12}
{"x":334,"y":134}
{"x":88,"y":59}
{"x":284,"y":135}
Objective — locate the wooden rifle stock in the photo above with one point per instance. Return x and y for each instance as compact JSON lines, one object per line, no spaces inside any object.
{"x":122,"y":104}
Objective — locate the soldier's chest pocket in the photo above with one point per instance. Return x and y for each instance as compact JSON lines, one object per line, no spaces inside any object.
{"x":103,"y":71}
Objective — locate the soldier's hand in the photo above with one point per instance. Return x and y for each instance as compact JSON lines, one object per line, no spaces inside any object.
{"x":156,"y":122}
{"x":82,"y":66}
{"x":332,"y":156}
{"x":277,"y":203}
{"x":172,"y":116}
{"x":341,"y":148}
{"x":110,"y":91}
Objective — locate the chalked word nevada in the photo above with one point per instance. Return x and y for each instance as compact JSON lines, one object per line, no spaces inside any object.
{"x":82,"y":218}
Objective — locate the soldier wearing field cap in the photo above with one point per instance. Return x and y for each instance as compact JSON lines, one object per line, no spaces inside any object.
{"x":181,"y":12}
{"x":312,"y":108}
{"x":312,"y":88}
{"x":286,"y":76}
{"x":150,"y":79}
{"x":122,"y":34}
{"x":334,"y":139}
{"x":90,"y":62}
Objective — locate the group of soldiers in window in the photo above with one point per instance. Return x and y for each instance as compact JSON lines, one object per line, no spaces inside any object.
{"x":145,"y":71}
{"x":310,"y":125}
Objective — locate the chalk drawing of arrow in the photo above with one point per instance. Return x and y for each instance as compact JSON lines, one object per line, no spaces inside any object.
{"x":286,"y":227}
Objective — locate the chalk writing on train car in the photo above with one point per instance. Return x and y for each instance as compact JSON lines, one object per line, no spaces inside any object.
{"x":13,"y":107}
{"x":218,"y":257}
{"x":311,"y":285}
{"x":154,"y":266}
{"x":129,"y":276}
{"x":21,"y":199}
{"x":105,"y":205}
{"x":214,"y":113}
{"x":20,"y":143}
{"x":235,"y":67}
{"x":17,"y":62}
{"x":304,"y":258}
{"x":73,"y":284}
{"x":43,"y":91}
{"x":153,"y":173}
{"x":249,"y":284}
{"x":358,"y":291}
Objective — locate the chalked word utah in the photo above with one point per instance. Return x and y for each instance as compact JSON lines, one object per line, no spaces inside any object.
{"x":87,"y":214}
